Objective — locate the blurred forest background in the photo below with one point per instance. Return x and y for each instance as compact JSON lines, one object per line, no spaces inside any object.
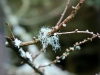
{"x":26,"y":17}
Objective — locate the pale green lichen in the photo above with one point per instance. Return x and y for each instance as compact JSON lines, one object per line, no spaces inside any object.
{"x":48,"y":40}
{"x":77,"y":48}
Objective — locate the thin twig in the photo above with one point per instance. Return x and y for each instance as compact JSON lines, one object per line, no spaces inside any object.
{"x":76,"y":31}
{"x":75,"y":9}
{"x":16,"y":49}
{"x":62,"y":15}
{"x":53,"y":62}
{"x":68,"y":50}
{"x":38,"y":54}
{"x":12,"y":45}
{"x":29,"y":42}
{"x":86,"y":40}
{"x":60,"y":26}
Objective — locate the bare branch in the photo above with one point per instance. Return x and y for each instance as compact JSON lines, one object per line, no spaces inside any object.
{"x":86,"y":40}
{"x":29,"y":42}
{"x":16,"y":49}
{"x":62,"y":15}
{"x":38,"y":54}
{"x":68,"y":50}
{"x":75,"y":9}
{"x":9,"y":31}
{"x":11,"y":44}
{"x":76,"y":31}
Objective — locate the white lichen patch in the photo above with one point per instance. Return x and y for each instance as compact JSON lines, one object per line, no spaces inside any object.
{"x":22,"y":53}
{"x":63,"y":57}
{"x":77,"y":48}
{"x":71,"y":48}
{"x":58,"y":61}
{"x":48,"y":40}
{"x":25,"y":54}
{"x":17,"y":42}
{"x":28,"y":55}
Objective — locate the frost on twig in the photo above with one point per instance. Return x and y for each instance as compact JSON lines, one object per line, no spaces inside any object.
{"x":21,"y":51}
{"x":46,"y":40}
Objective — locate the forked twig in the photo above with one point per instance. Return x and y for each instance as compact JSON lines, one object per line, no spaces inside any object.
{"x":11,"y":44}
{"x":38,"y":54}
{"x":75,"y":9}
{"x":68,"y":50}
{"x":62,"y":15}
{"x":76,"y":31}
{"x":57,"y":27}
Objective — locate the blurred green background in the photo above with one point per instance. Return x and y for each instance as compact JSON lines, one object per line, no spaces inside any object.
{"x":33,"y":14}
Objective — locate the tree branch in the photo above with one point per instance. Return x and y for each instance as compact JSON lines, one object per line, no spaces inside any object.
{"x":75,"y":9}
{"x":62,"y":15}
{"x":57,"y":27}
{"x":68,"y":50}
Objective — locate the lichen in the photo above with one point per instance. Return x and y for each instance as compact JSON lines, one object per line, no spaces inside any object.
{"x":17,"y":42}
{"x":28,"y":55}
{"x":48,"y":40}
{"x":21,"y":51}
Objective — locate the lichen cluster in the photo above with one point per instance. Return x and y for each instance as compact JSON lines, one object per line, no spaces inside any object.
{"x":48,"y":40}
